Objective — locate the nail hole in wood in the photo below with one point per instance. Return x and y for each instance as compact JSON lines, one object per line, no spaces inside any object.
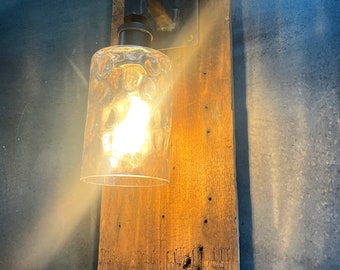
{"x":208,"y":131}
{"x":187,"y":263}
{"x":209,"y":198}
{"x":205,"y":221}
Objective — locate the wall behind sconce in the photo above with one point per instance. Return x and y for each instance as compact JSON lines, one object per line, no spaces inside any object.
{"x":48,"y":219}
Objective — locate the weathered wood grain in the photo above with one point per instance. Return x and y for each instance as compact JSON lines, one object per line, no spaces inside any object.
{"x":192,"y":222}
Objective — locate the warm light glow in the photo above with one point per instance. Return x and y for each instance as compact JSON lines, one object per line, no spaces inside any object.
{"x":130,"y":136}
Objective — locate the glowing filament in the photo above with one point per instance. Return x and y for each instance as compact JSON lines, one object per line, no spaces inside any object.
{"x":131,"y":135}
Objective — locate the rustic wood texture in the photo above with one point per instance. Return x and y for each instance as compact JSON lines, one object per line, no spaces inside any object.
{"x":192,"y":222}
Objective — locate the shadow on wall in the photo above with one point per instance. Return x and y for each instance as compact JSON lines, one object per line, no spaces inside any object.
{"x":286,"y":88}
{"x":241,"y":136}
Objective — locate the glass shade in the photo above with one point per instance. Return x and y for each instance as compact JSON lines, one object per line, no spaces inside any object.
{"x":128,"y":120}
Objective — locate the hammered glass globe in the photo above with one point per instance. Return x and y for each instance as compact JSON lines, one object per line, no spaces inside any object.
{"x":128,"y":120}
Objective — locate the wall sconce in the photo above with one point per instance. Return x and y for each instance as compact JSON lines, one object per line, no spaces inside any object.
{"x":128,"y":122}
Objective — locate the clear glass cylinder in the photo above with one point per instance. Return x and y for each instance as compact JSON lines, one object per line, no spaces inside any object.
{"x":128,"y":120}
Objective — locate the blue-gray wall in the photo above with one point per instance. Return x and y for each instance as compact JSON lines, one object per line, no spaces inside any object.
{"x":286,"y":58}
{"x":286,"y":83}
{"x":48,"y":219}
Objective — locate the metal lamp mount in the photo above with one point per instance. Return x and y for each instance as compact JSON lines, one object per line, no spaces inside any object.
{"x":159,"y":24}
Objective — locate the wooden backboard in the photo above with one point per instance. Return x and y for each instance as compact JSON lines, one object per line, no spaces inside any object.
{"x":192,"y":222}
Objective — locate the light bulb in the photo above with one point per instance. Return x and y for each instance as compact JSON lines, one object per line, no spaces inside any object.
{"x":131,"y":136}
